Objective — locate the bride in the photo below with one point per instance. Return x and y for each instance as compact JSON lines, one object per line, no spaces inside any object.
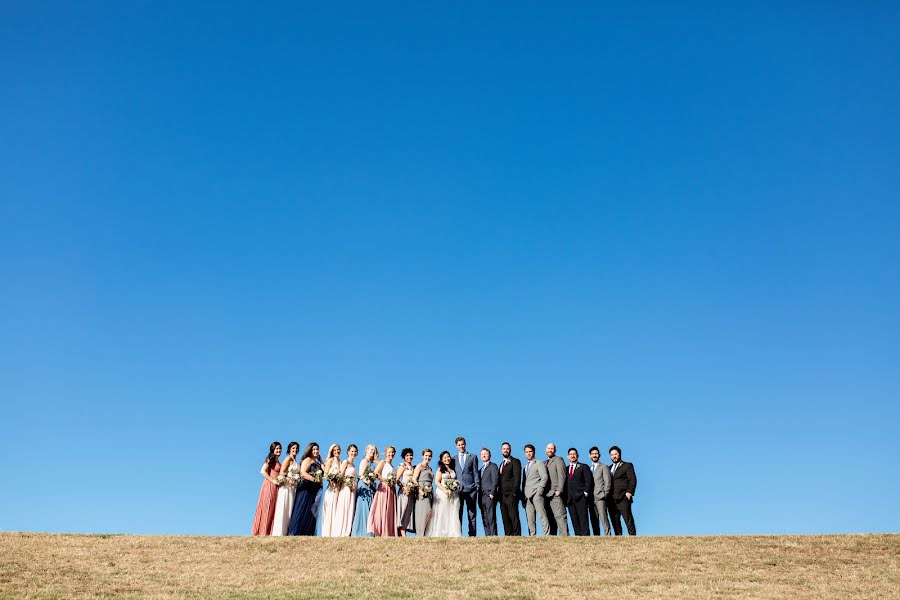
{"x":445,"y":508}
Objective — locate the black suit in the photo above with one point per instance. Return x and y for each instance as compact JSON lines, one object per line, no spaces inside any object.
{"x":510,"y":484}
{"x":624,"y":480}
{"x":490,"y":486}
{"x":581,"y":489}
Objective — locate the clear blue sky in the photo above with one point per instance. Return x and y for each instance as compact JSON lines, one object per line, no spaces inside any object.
{"x":670,"y":226}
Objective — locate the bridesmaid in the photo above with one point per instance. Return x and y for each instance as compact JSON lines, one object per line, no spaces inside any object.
{"x":364,"y":494}
{"x":303,"y":519}
{"x":383,"y":518}
{"x":285,"y":502}
{"x":342,"y":520}
{"x":424,"y":477}
{"x":406,"y":503}
{"x":268,"y":493}
{"x":333,"y":465}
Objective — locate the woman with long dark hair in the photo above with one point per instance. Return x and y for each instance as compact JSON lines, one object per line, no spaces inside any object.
{"x":303,"y":517}
{"x":290,"y":470}
{"x":445,"y":508}
{"x":268,"y":493}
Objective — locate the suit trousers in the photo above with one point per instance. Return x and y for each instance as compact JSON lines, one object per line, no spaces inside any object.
{"x":597,"y":515}
{"x":578,"y":512}
{"x":621,"y":507}
{"x":509,"y":511}
{"x":488,"y":514}
{"x":470,"y":501}
{"x":535,"y":505}
{"x":556,"y":513}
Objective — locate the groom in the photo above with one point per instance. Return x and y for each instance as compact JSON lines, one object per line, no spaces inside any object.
{"x":470,"y":483}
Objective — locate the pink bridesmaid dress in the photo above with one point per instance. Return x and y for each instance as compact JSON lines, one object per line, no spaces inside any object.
{"x":342,"y":522}
{"x":383,"y":517}
{"x":265,"y":508}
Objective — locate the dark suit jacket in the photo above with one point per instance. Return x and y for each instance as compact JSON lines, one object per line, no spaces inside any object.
{"x":490,"y":480}
{"x":582,"y":482}
{"x":467,"y":475}
{"x":511,"y":477}
{"x":623,"y":480}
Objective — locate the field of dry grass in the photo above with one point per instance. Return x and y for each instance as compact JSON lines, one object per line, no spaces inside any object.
{"x":103,"y":566}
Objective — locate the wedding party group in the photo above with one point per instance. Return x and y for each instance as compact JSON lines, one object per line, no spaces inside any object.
{"x":305,"y":495}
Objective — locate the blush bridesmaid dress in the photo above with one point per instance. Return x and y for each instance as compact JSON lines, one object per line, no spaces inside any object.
{"x":265,"y":507}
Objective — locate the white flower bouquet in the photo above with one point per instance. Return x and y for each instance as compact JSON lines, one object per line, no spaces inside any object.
{"x":452,"y":486}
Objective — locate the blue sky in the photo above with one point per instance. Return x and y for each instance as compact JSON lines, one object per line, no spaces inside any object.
{"x":669,"y":227}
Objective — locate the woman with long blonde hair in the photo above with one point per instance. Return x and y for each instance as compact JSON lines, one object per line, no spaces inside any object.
{"x":383,"y":518}
{"x":333,"y":466}
{"x":365,"y":492}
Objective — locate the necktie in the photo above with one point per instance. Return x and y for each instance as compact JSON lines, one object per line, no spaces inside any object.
{"x":593,"y":467}
{"x":526,"y":468}
{"x":547,"y":462}
{"x":571,"y":471}
{"x":614,"y":467}
{"x":503,"y":464}
{"x":462,"y":460}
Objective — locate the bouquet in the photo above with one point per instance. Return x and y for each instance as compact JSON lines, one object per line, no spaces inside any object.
{"x":368,"y":477}
{"x":293,"y":479}
{"x":390,"y":479}
{"x":349,"y":480}
{"x":280,"y":480}
{"x":335,"y":479}
{"x":426,"y":491}
{"x":452,"y":486}
{"x":410,"y":487}
{"x":316,"y":475}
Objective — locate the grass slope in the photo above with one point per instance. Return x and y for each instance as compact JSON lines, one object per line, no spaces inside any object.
{"x":103,"y":566}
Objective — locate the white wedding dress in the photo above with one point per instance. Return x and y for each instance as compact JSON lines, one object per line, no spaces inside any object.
{"x":444,"y":513}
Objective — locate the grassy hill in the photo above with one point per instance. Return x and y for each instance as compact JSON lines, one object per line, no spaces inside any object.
{"x":104,"y":566}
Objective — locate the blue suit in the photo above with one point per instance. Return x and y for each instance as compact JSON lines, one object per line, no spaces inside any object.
{"x":466,"y":469}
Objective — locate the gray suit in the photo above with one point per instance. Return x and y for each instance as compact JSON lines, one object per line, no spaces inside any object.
{"x":556,"y":505}
{"x":602,"y":488}
{"x":534,"y":480}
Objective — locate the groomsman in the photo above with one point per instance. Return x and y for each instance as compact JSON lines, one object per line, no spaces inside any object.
{"x":467,"y":474}
{"x":489,"y":492}
{"x":534,"y":480}
{"x":581,"y":490}
{"x":556,"y":492}
{"x":624,"y":483}
{"x":602,"y":487}
{"x":510,"y":486}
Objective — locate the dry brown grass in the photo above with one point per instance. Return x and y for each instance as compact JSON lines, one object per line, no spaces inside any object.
{"x":102,"y":566}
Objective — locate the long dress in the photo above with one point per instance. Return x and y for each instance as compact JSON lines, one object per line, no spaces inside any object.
{"x":265,"y":506}
{"x":406,"y":505}
{"x":423,"y":505}
{"x":342,"y":519}
{"x":285,"y":503}
{"x":383,"y":518}
{"x":444,"y":513}
{"x":329,"y":501}
{"x":303,"y":517}
{"x":364,"y":495}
